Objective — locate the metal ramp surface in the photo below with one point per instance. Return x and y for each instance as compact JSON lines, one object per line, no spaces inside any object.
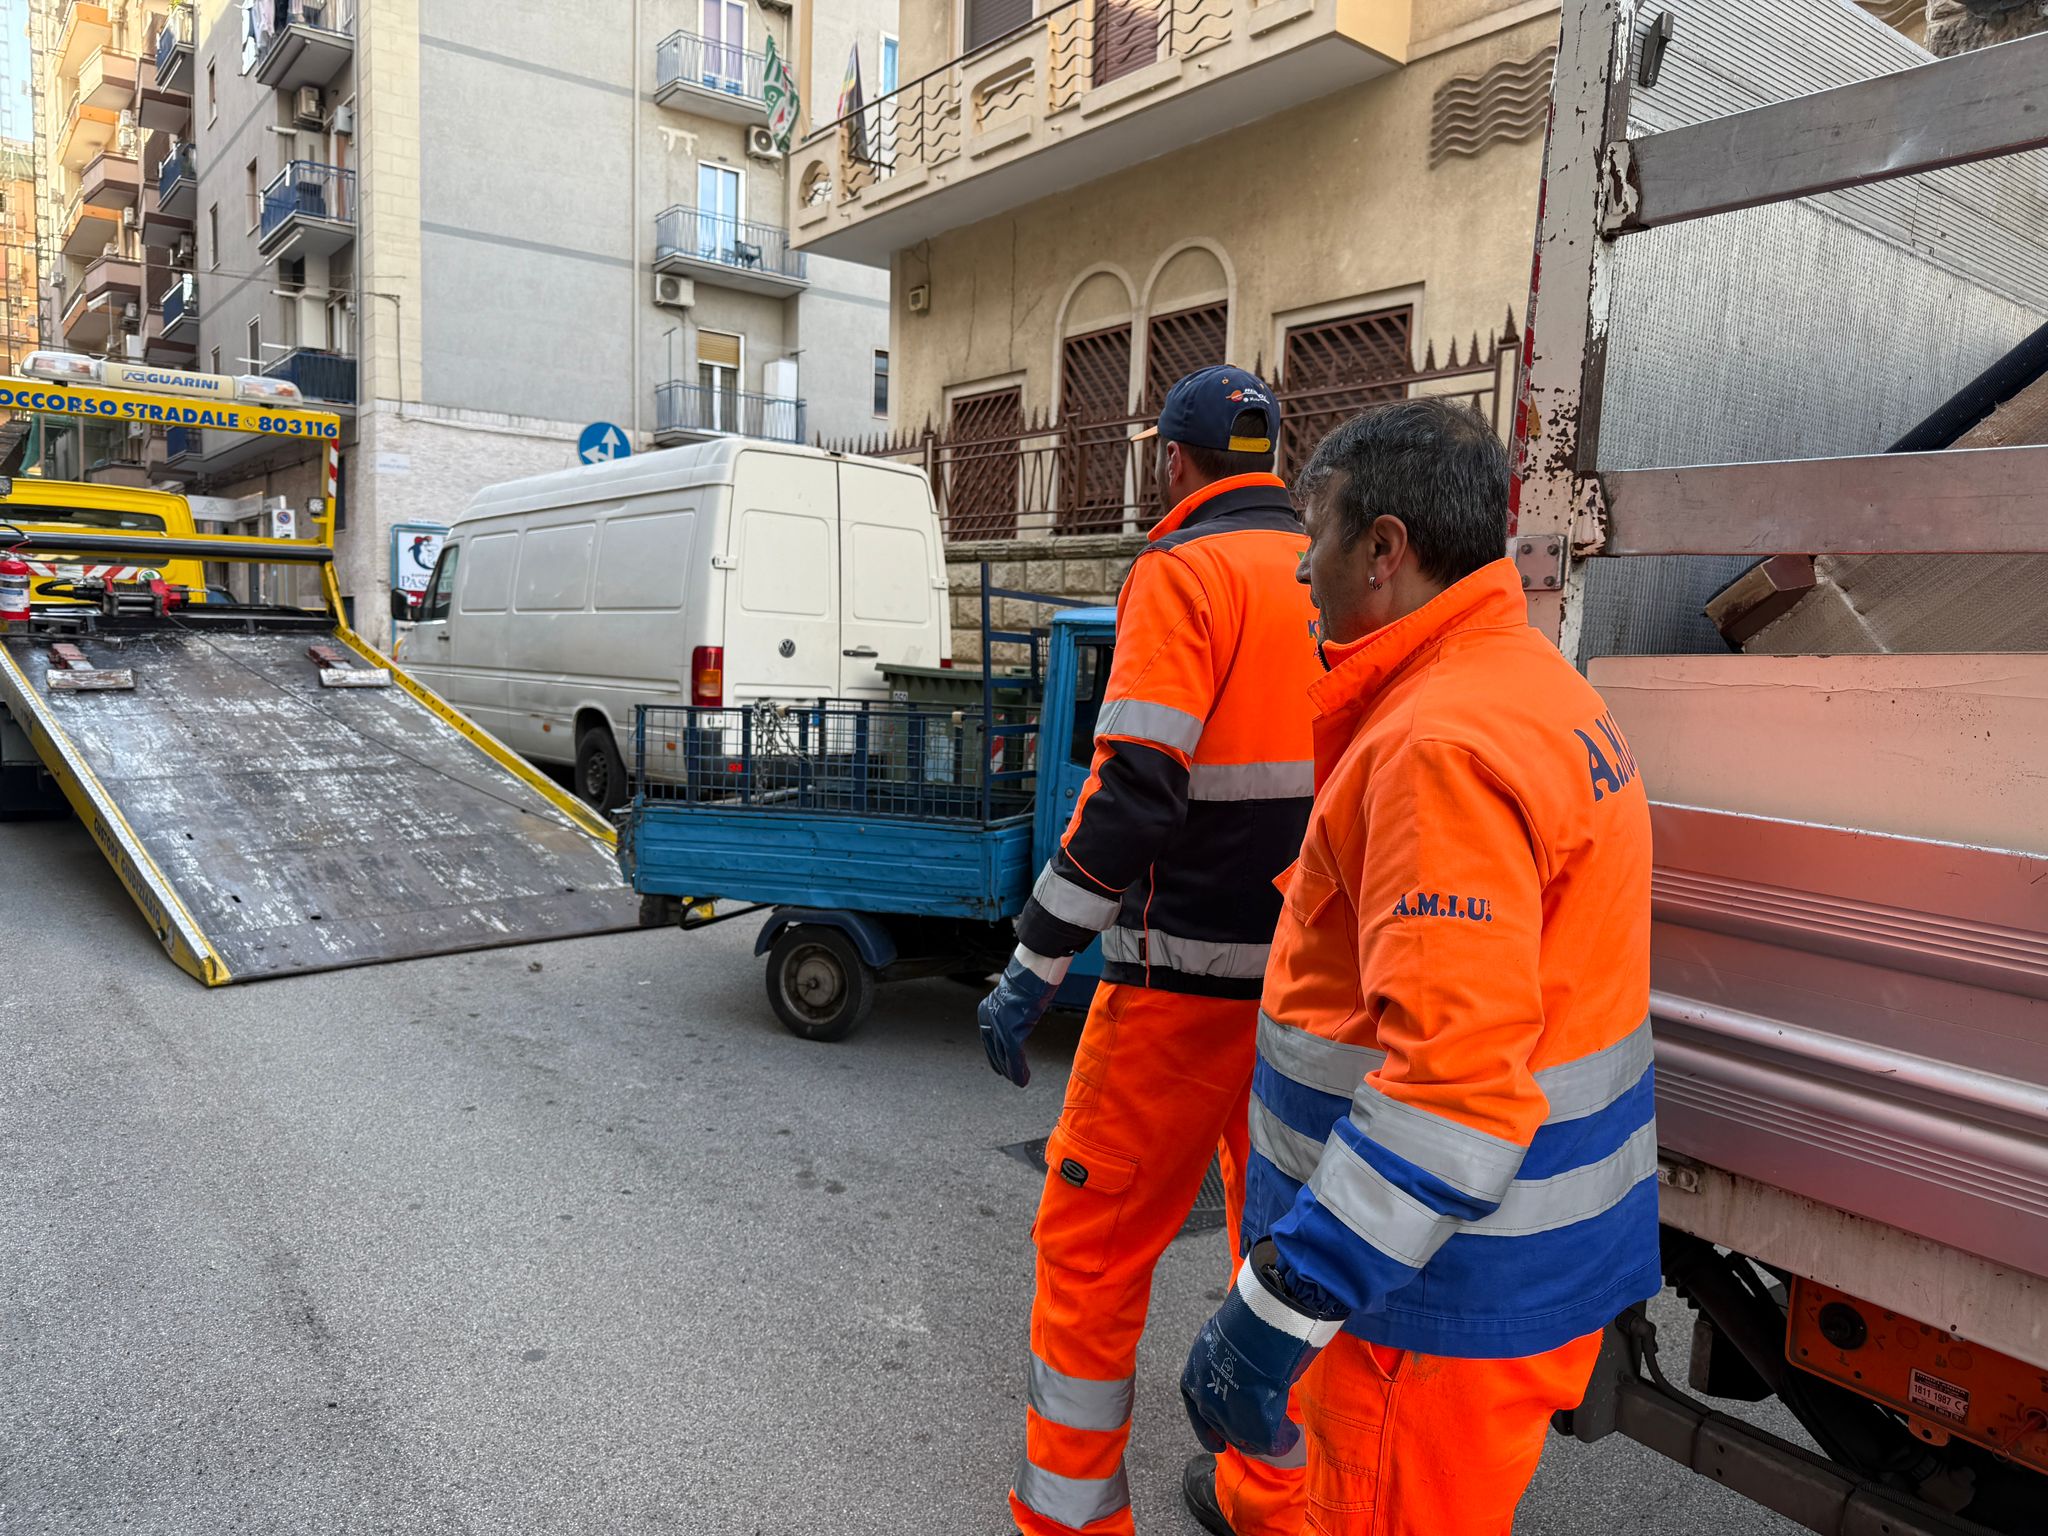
{"x":267,"y":825}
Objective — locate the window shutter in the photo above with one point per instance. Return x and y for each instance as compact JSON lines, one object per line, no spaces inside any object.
{"x":988,"y":20}
{"x":718,"y":349}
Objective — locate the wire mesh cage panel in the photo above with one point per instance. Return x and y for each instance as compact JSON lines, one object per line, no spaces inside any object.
{"x":927,"y":762}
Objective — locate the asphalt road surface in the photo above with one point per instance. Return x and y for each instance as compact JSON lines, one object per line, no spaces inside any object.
{"x":565,"y":1239}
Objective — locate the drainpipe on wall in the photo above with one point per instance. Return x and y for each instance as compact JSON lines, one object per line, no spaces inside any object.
{"x":633,"y":236}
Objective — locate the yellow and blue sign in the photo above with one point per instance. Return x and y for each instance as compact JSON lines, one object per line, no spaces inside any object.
{"x":94,"y":402}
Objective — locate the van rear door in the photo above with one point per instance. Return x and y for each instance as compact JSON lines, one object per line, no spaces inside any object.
{"x":782,"y":605}
{"x":893,"y":603}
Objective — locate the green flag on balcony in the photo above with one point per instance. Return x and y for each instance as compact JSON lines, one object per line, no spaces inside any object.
{"x":779,"y":93}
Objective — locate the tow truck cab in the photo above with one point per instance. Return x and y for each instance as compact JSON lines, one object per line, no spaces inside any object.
{"x":61,"y":506}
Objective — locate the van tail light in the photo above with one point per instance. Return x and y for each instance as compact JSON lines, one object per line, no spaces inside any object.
{"x":707,"y":676}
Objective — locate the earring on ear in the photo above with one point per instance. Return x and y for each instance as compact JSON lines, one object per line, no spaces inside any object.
{"x":1373,"y":582}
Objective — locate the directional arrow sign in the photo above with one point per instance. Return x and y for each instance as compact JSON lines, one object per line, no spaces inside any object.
{"x":602,"y":442}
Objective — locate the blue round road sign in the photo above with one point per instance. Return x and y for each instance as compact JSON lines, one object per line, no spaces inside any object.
{"x":602,"y":442}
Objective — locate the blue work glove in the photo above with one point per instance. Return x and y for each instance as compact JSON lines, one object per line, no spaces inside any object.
{"x":1008,"y":1015}
{"x":1247,"y":1358}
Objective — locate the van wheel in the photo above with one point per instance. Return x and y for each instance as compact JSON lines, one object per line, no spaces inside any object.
{"x":818,"y":984}
{"x":600,"y":774}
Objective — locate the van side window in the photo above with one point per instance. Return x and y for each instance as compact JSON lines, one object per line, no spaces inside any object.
{"x":441,"y":585}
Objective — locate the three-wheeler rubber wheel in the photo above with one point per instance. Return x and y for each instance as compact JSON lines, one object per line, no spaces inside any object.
{"x":818,"y":984}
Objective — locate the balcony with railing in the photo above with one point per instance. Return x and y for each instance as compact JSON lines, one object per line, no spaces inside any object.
{"x":84,"y":28}
{"x":312,"y":41}
{"x":1085,"y":89}
{"x":710,"y":78}
{"x":107,"y":79}
{"x":174,"y":51}
{"x":692,"y":412}
{"x":327,"y":377}
{"x":85,"y":133}
{"x":107,"y":302}
{"x":727,"y":252}
{"x":177,"y":182}
{"x":309,"y":209}
{"x":163,"y":102}
{"x":181,"y":445}
{"x":180,"y":306}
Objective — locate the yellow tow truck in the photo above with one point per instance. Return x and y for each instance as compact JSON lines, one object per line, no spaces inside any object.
{"x":275,"y":795}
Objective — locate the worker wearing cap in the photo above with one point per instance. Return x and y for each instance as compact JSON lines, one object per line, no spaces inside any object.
{"x":1200,"y":791}
{"x":1452,"y":1185}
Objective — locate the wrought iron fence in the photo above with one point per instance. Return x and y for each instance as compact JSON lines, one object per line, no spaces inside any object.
{"x":1086,"y":43}
{"x":930,"y":762}
{"x":705,"y":409}
{"x":696,"y":234}
{"x":307,"y":189}
{"x":684,"y":58}
{"x":1036,"y":475}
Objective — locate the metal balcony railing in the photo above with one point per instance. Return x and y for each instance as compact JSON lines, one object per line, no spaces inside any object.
{"x":713,"y":237}
{"x":181,"y":162}
{"x":684,"y":58}
{"x":181,"y":301}
{"x":319,"y":375}
{"x":175,"y":33}
{"x":322,"y":15}
{"x":697,"y":408}
{"x":1084,"y":44}
{"x":307,"y":189}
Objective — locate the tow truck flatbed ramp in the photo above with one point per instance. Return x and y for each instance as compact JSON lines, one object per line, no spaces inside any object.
{"x":267,"y":825}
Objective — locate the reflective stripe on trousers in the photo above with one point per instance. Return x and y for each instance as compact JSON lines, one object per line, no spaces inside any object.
{"x":1072,"y":1501}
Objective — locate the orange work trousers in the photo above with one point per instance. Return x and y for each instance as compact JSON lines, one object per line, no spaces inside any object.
{"x":1160,"y":1082}
{"x":1401,"y":1444}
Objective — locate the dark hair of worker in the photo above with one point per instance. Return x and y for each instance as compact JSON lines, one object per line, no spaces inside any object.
{"x":1434,"y":464}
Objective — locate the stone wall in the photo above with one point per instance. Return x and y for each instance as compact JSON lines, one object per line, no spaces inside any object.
{"x":1087,"y":569}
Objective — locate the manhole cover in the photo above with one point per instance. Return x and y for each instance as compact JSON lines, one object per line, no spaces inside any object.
{"x":1206,"y":1216}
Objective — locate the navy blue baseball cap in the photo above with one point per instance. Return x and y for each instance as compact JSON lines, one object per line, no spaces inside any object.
{"x":1203,"y":407}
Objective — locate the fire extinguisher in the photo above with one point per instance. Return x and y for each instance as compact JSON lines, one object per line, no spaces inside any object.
{"x":14,"y":579}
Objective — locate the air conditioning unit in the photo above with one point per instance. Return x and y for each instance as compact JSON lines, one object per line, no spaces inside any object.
{"x":306,"y":109}
{"x":131,"y":317}
{"x":185,"y":252}
{"x":672,"y":292}
{"x":345,"y":120}
{"x":761,"y":144}
{"x":130,"y":217}
{"x":138,"y":431}
{"x":109,"y":251}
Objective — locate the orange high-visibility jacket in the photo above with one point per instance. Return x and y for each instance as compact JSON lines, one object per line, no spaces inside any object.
{"x":1203,"y":770}
{"x":1452,"y":1122}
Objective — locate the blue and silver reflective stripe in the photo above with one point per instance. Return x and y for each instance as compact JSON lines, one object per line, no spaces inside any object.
{"x":1072,"y":1501}
{"x":1328,"y":1066}
{"x":1157,"y":725}
{"x":1252,"y":781}
{"x":1191,"y":957}
{"x":1080,"y":1402}
{"x":1391,"y":1218}
{"x":1075,"y":904}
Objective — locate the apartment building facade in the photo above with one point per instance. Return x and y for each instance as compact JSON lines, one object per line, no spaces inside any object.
{"x":473,"y":228}
{"x":20,"y":290}
{"x":1080,"y":201}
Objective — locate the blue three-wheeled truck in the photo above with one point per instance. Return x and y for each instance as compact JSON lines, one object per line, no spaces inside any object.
{"x":892,"y":838}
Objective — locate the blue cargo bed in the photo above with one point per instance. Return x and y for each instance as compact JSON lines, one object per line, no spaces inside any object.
{"x":802,"y":859}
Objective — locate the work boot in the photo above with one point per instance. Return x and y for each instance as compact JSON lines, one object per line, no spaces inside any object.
{"x":1198,"y":1492}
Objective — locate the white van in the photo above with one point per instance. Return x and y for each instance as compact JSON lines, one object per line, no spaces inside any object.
{"x":715,"y":574}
